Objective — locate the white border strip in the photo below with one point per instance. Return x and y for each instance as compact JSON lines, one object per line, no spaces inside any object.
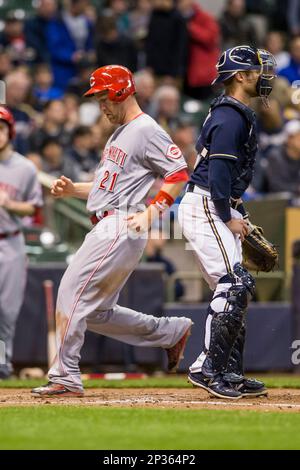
{"x":91,"y":401}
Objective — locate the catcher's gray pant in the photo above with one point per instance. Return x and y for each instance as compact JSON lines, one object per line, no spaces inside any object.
{"x":88,"y":295}
{"x":12,"y":284}
{"x":217,"y":250}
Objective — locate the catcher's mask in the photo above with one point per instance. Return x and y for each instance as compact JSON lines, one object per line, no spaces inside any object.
{"x":115,"y":79}
{"x":246,"y":58}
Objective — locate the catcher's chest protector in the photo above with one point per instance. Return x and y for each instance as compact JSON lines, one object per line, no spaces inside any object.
{"x":251,"y":145}
{"x":245,"y":150}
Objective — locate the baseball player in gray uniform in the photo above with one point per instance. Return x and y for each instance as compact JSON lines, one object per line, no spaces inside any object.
{"x":137,"y":152}
{"x":20,"y":195}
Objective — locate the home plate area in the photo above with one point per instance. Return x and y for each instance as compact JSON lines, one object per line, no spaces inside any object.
{"x":278,"y":399}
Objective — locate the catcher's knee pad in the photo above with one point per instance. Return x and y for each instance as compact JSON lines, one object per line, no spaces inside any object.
{"x":245,"y":278}
{"x":229,"y":295}
{"x":219,"y":302}
{"x":238,"y":297}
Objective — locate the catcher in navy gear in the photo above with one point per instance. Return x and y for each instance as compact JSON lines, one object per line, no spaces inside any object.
{"x":215,"y":222}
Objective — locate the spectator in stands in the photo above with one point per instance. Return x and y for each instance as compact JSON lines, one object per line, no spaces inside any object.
{"x":235,"y":26}
{"x":145,"y":87}
{"x":89,"y":113}
{"x":203,"y":49}
{"x":119,"y":9}
{"x":54,"y":119}
{"x":35,"y":30}
{"x":292,"y":71}
{"x":270,"y":123}
{"x":18,"y":85}
{"x":96,"y":140}
{"x":70,"y":40}
{"x":55,"y":162}
{"x":5,"y":62}
{"x":271,"y":136}
{"x":81,"y":153}
{"x":154,"y":254}
{"x":166,"y":106}
{"x":293,"y":17}
{"x":275,"y":44}
{"x":183,"y":133}
{"x":139,"y":19}
{"x":166,"y":41}
{"x":43,"y":89}
{"x":91,"y":12}
{"x":71,"y":103}
{"x":287,"y":99}
{"x":113,"y":47}
{"x":275,"y":11}
{"x":36,"y":159}
{"x":13,"y":39}
{"x":283,"y":163}
{"x":81,"y":82}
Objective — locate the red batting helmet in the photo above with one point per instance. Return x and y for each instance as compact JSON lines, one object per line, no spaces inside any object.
{"x":6,"y":116}
{"x":116,"y":79}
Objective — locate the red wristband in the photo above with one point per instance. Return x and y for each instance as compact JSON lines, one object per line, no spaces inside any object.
{"x":162,"y":201}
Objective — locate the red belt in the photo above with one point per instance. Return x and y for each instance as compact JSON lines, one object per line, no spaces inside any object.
{"x":95,"y":218}
{"x":7,"y":235}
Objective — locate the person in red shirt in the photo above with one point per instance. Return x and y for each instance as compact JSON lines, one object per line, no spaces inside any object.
{"x":203,"y":49}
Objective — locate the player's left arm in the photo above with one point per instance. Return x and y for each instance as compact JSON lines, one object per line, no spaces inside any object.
{"x":19,"y":208}
{"x":164,"y":199}
{"x":31,"y":195}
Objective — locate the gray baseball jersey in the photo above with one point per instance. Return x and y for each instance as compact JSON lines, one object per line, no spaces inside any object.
{"x":133,"y":157}
{"x":18,"y":177}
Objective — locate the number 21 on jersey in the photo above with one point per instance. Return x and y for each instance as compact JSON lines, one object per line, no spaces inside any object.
{"x":108,"y":182}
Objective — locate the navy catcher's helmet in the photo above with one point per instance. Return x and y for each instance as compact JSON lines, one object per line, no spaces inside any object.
{"x":236,"y":59}
{"x":245,"y":58}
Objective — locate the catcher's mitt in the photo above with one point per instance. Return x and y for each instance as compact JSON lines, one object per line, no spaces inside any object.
{"x":258,"y":253}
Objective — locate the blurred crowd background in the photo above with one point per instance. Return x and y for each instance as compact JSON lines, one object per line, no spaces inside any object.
{"x":48,"y":49}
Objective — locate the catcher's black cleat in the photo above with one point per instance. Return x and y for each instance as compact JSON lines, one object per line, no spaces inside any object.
{"x":216,"y":386}
{"x":51,"y":390}
{"x":247,"y":387}
{"x":175,"y":353}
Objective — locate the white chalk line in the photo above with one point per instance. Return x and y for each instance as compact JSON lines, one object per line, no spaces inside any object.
{"x":146,"y":401}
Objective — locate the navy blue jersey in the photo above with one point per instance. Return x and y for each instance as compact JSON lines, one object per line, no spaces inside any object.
{"x":226,"y":150}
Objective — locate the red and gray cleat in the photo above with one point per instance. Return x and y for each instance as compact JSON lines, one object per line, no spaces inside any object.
{"x":175,"y":353}
{"x":52,"y":390}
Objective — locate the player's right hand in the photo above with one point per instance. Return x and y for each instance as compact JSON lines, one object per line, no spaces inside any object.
{"x":238,"y":227}
{"x":62,"y":187}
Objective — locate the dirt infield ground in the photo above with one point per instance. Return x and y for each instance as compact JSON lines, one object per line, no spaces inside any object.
{"x":277,"y":400}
